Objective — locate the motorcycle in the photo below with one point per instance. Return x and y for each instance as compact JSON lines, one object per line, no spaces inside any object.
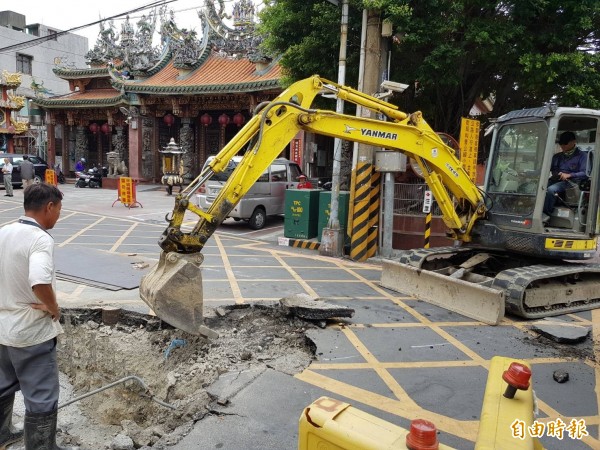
{"x":91,"y":179}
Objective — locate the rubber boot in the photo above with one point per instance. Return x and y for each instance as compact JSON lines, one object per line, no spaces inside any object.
{"x":7,"y":434}
{"x":40,"y":432}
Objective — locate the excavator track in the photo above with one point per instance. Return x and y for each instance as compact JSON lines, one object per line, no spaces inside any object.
{"x":543,"y":290}
{"x":532,"y":290}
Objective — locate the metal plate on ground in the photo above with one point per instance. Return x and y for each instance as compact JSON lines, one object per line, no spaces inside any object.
{"x":98,"y":268}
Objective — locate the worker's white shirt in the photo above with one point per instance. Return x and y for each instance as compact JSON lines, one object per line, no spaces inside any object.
{"x":8,"y":168}
{"x":26,"y":259}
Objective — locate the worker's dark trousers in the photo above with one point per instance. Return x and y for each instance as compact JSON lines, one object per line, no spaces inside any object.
{"x":34,"y":371}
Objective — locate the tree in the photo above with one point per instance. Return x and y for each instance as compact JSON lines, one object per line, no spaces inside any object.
{"x":452,"y":52}
{"x":306,"y":33}
{"x":523,"y":53}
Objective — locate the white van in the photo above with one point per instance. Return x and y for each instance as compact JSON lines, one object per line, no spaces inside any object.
{"x":265,"y":198}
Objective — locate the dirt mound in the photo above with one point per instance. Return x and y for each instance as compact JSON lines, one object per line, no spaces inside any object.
{"x":175,"y":366}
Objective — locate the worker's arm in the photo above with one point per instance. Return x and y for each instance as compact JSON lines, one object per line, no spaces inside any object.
{"x":45,"y":294}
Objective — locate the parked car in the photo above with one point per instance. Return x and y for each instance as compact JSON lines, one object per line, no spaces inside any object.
{"x":265,"y":198}
{"x":16,"y":159}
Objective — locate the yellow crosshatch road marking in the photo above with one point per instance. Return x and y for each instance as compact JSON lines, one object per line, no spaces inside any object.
{"x":467,"y":429}
{"x":398,"y":402}
{"x":570,"y":244}
{"x":235,"y":288}
{"x":383,"y":373}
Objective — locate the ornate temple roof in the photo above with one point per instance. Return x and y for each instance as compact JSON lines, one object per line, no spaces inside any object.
{"x":216,"y":74}
{"x":222,"y":60}
{"x":75,"y":74}
{"x":87,"y":99}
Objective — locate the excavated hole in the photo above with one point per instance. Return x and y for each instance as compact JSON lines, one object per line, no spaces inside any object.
{"x":93,"y":354}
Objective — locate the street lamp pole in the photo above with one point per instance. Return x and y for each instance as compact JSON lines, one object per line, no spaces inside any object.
{"x":332,"y":241}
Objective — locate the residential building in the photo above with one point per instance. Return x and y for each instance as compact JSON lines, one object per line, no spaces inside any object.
{"x":34,"y":51}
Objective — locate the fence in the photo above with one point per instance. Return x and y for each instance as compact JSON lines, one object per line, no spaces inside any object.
{"x":408,"y":200}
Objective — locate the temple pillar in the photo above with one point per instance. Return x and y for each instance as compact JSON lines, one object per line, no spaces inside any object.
{"x":51,"y":144}
{"x":135,"y":150}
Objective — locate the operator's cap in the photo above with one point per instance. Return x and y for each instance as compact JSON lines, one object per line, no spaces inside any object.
{"x":566,"y":137}
{"x":301,"y":176}
{"x":82,"y":159}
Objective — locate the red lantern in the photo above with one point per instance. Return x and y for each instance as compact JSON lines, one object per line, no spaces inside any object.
{"x":206,"y":119}
{"x":239,"y":119}
{"x":169,"y":119}
{"x":105,"y":128}
{"x":223,"y":120}
{"x":94,"y":127}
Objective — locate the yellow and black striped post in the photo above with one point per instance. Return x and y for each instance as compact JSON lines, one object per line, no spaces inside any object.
{"x":365,"y":212}
{"x":427,"y":229}
{"x":374,"y":205}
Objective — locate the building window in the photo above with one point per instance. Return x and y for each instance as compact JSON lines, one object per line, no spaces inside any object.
{"x":52,"y":32}
{"x":33,"y":30}
{"x":24,"y":63}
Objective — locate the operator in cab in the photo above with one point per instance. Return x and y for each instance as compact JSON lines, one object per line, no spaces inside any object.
{"x":568,"y":167}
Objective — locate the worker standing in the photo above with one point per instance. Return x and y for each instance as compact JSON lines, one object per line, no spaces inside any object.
{"x":27,"y":171}
{"x":7,"y":175}
{"x":29,"y":320}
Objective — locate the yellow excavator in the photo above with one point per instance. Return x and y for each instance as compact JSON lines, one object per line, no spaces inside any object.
{"x":505,"y":255}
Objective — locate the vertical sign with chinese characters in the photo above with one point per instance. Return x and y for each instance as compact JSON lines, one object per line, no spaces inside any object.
{"x":297,"y":149}
{"x":469,"y":144}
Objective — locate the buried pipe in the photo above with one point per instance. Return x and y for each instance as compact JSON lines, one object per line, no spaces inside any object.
{"x":122,"y":380}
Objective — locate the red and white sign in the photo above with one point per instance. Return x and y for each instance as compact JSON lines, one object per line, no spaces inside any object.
{"x":427,"y":201}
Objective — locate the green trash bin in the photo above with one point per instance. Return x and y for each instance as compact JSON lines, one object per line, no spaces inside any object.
{"x":301,"y":213}
{"x":325,"y":210}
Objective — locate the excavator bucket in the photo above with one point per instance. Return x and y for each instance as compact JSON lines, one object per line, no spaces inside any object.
{"x":474,"y":301}
{"x":173,"y":289}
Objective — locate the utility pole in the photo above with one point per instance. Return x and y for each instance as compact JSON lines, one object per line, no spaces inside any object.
{"x":365,"y":193}
{"x":332,"y":240}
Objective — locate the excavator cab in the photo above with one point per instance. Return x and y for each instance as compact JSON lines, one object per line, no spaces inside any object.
{"x":518,"y":176}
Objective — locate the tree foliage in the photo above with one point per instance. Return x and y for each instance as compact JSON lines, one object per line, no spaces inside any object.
{"x":452,"y":52}
{"x":306,"y":33}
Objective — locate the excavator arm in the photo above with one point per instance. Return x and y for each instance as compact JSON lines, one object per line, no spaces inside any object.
{"x":172,"y":287}
{"x":270,"y":131}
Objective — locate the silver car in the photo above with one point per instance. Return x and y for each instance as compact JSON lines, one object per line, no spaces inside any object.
{"x":265,"y":198}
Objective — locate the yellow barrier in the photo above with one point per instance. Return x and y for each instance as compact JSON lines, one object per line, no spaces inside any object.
{"x":50,"y":177}
{"x":126,"y":193}
{"x":504,"y":421}
{"x":334,"y":425}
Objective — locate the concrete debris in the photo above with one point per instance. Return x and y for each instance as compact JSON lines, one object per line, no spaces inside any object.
{"x":140,"y":265}
{"x":122,"y":442}
{"x":194,"y":376}
{"x":560,"y":376}
{"x":561,"y":331}
{"x":311,"y":308}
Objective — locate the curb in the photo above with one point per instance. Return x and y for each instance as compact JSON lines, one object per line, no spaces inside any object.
{"x":298,"y":243}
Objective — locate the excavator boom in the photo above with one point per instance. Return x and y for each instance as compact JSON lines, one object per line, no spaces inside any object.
{"x":261,"y":140}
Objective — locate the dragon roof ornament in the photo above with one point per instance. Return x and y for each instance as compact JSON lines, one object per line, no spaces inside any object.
{"x":241,"y":40}
{"x":132,"y":49}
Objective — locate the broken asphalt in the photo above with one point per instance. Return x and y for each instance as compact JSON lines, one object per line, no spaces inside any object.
{"x":397,"y":358}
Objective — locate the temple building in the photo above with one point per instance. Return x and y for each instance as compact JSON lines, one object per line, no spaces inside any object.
{"x":11,"y":126}
{"x":135,"y":96}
